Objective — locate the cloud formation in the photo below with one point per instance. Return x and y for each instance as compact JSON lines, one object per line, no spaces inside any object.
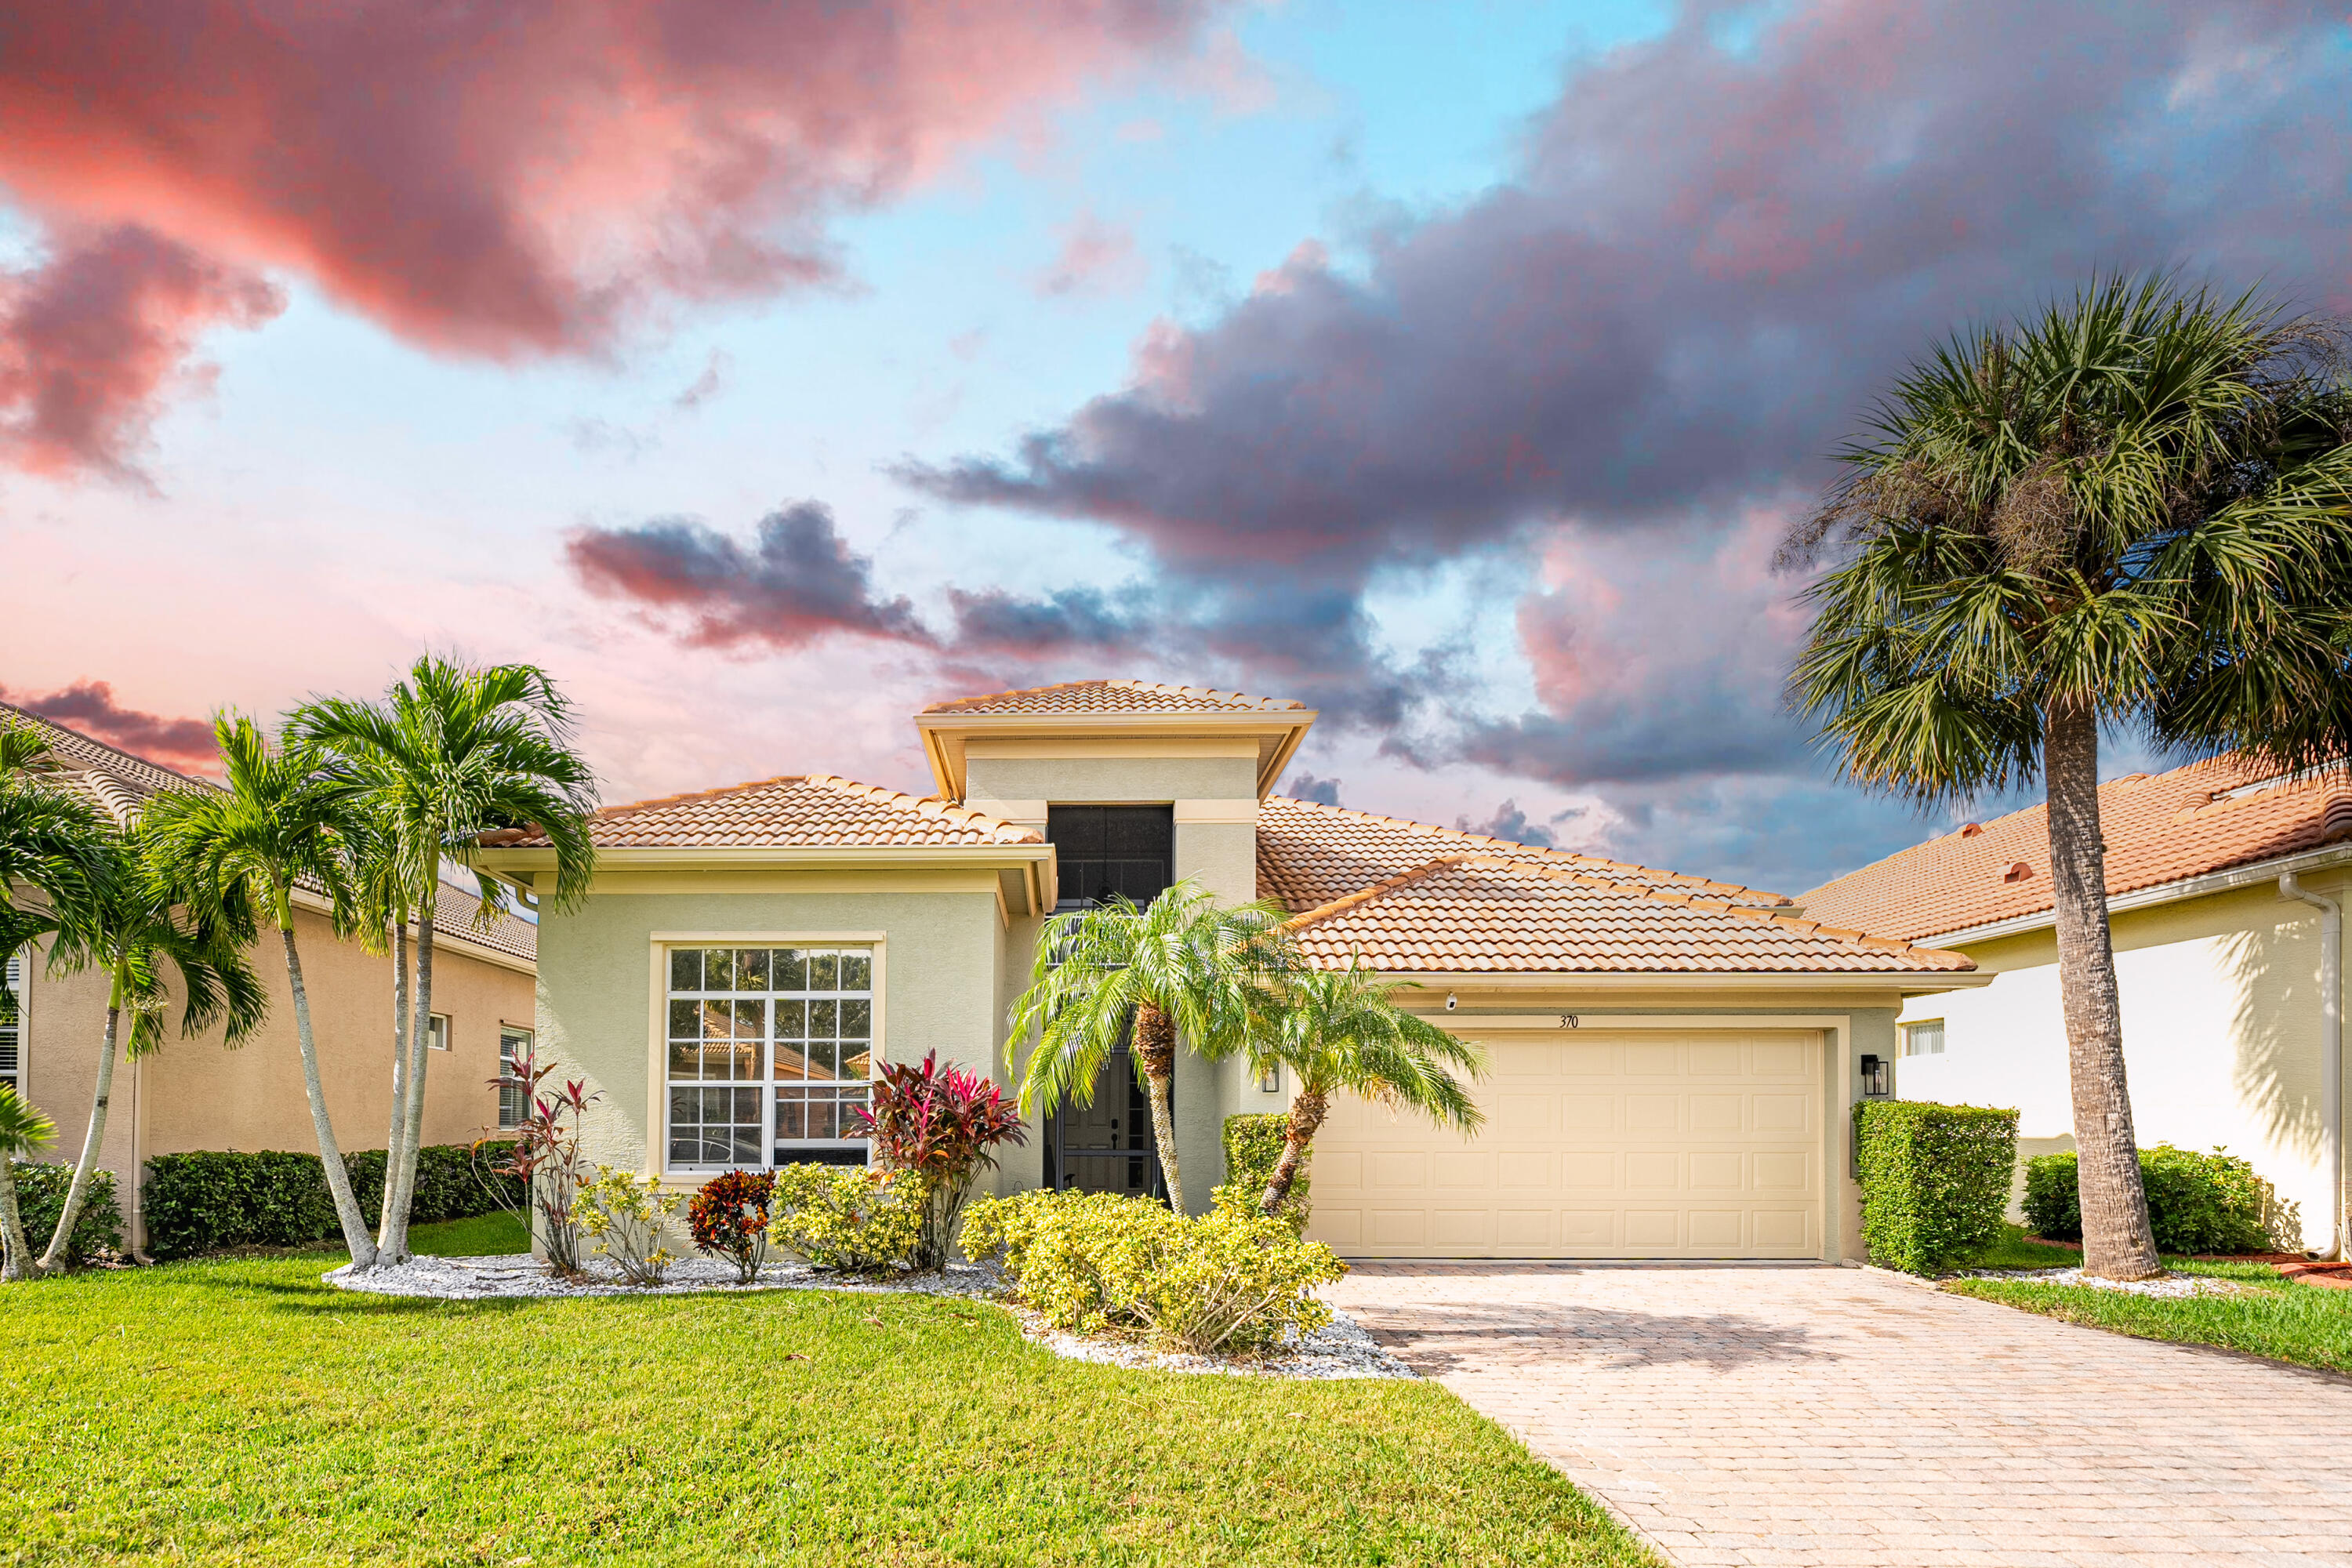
{"x":1096,"y":257}
{"x":89,"y":707}
{"x":501,"y":181}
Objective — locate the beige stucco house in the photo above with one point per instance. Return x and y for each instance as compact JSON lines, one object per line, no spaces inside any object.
{"x":2227,"y":1025}
{"x":1674,"y":1058}
{"x":194,"y":1092}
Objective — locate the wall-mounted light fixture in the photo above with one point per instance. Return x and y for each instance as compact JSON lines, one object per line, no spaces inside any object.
{"x":1877,"y":1078}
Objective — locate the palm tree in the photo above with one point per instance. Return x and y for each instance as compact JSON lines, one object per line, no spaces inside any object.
{"x":1342,"y":1029}
{"x":23,"y":1132}
{"x":454,"y":751}
{"x":282,"y":822}
{"x":2134,"y":509}
{"x":1180,"y":966}
{"x":134,"y":924}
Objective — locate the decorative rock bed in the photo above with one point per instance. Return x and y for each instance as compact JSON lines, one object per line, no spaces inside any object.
{"x":1341,"y":1349}
{"x":2172,"y":1285}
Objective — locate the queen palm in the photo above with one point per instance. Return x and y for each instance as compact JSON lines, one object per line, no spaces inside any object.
{"x":1343,"y":1030}
{"x":452,"y":751}
{"x":23,"y":1133}
{"x":1180,"y":967}
{"x":2132,"y":509}
{"x":280,"y":823}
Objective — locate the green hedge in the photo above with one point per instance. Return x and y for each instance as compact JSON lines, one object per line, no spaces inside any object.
{"x":41,"y":1197}
{"x":1253,"y":1148}
{"x":208,"y":1201}
{"x":2196,"y":1203}
{"x":1935,"y":1180}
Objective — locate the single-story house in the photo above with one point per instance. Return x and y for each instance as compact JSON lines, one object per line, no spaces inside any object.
{"x":1673,"y":1060}
{"x":194,"y":1093}
{"x":2219,"y":969}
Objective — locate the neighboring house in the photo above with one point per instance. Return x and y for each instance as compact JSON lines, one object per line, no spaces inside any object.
{"x":195,"y":1093}
{"x":2219,"y":971}
{"x":1674,"y":1058}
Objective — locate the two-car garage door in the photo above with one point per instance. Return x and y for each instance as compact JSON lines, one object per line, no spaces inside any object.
{"x":1640,"y":1143}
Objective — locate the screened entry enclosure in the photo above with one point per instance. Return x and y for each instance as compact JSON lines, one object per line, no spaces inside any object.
{"x":769,"y":1050}
{"x":1110,"y":851}
{"x":1106,"y":1147}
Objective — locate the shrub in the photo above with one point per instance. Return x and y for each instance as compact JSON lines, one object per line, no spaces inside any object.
{"x":939,"y":1127}
{"x":728,"y":1218}
{"x":210,"y":1200}
{"x":625,"y":1215}
{"x":1231,"y":1282}
{"x":41,"y":1198}
{"x":1253,"y":1144}
{"x":1935,"y":1180}
{"x":846,"y":1217}
{"x":2196,"y":1203}
{"x":541,"y":1161}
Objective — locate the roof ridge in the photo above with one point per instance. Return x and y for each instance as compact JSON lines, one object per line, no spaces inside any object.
{"x":609,"y":812}
{"x":1386,"y":885}
{"x":1239,"y":699}
{"x":928,"y":804}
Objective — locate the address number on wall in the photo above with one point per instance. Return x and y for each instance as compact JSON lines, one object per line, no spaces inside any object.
{"x":1569,"y":1021}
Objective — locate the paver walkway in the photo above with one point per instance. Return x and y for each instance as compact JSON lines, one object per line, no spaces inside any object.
{"x":1818,"y":1415}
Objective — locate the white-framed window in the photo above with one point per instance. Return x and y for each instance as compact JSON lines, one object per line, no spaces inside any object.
{"x":12,"y":1025}
{"x":1924,"y":1038}
{"x":514,"y":1099}
{"x":436,"y":1032}
{"x":769,"y":1048}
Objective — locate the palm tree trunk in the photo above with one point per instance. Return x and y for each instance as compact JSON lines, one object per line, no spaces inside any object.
{"x":400,"y":1045}
{"x":331,"y":1155}
{"x":420,"y":1018}
{"x":15,"y":1258}
{"x":1307,"y":1113}
{"x":79,"y":1193}
{"x":2117,"y":1243}
{"x":1155,"y":1047}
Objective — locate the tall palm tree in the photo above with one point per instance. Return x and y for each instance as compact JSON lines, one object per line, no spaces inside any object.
{"x":1179,"y":967}
{"x":452,"y":751}
{"x":1342,"y":1029}
{"x":2134,"y":509}
{"x":23,"y":1133}
{"x":133,"y":924}
{"x":281,"y":823}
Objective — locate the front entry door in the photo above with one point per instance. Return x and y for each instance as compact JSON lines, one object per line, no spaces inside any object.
{"x":1107,"y":1146}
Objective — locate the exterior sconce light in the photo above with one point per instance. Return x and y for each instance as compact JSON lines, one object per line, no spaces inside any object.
{"x":1877,"y":1078}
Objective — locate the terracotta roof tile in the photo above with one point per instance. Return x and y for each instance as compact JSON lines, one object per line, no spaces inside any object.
{"x":1468,"y":913}
{"x":2163,"y":827}
{"x":798,"y":811}
{"x":1310,"y":854}
{"x":1076,"y":696}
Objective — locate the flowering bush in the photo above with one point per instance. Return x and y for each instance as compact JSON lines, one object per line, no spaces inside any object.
{"x":625,"y":1215}
{"x":728,"y":1218}
{"x":1233,"y":1282}
{"x":939,"y":1126}
{"x":541,"y":1159}
{"x":846,"y":1217}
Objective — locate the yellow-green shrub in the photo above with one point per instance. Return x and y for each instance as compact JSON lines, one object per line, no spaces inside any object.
{"x":625,"y":1214}
{"x":1231,"y":1282}
{"x":846,"y":1217}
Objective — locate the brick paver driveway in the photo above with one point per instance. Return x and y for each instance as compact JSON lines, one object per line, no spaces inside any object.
{"x":1809,"y":1414}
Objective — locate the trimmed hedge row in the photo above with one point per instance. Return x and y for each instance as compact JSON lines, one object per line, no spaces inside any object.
{"x":41,"y":1197}
{"x":208,"y":1200}
{"x":1253,"y":1148}
{"x":2196,"y":1203}
{"x":1935,"y":1180}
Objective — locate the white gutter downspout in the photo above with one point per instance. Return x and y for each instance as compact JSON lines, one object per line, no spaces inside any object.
{"x":2331,"y":1054}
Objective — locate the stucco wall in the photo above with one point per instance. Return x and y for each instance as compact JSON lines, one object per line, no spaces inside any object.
{"x":195,"y":1093}
{"x":2221,"y":1018}
{"x":1127,"y":781}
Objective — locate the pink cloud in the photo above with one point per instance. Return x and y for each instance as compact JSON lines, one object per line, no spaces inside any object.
{"x":89,"y":707}
{"x":1096,"y":257}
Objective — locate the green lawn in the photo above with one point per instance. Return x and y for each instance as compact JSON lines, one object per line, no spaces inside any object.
{"x":2015,"y":1251}
{"x":239,"y":1411}
{"x":2277,"y":1318}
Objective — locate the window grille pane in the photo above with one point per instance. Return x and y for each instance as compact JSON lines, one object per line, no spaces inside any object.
{"x":514,"y":1099}
{"x":717,"y":969}
{"x":856,"y":1020}
{"x":822,"y":970}
{"x":791,"y":972}
{"x":752,"y":969}
{"x":791,"y":1020}
{"x":856,"y":972}
{"x":685,"y":969}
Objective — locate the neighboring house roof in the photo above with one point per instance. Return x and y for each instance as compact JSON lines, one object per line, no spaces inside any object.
{"x":2160,"y":828}
{"x":797,"y":811}
{"x":1310,"y":854}
{"x":1114,"y":697}
{"x":1483,"y":913}
{"x":120,"y":782}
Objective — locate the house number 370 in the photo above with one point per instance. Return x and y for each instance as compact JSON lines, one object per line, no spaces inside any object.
{"x":1570,"y":1020}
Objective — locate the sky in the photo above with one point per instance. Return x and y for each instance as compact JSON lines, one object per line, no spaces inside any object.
{"x":767,"y":370}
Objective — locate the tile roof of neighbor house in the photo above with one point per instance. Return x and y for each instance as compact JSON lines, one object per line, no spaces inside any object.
{"x":1470,"y":913}
{"x":797,"y":811}
{"x":2162,"y":827}
{"x":1137,"y":696}
{"x":119,"y":782}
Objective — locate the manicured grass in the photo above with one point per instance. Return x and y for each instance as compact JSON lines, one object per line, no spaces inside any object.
{"x":2015,"y":1251}
{"x":485,"y":1235}
{"x":2277,"y":1318}
{"x":239,"y":1411}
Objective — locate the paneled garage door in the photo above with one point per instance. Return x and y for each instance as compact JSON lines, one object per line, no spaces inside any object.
{"x":1645,"y":1143}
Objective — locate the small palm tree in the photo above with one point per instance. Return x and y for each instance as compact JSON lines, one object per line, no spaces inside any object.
{"x":24,"y":1131}
{"x":280,"y":824}
{"x":454,"y":751}
{"x":2134,"y":510}
{"x":1181,"y":967}
{"x":1341,"y":1030}
{"x":131,"y":923}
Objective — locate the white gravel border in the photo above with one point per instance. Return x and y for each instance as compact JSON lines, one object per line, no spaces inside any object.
{"x":1342,"y":1349}
{"x":2171,"y":1285}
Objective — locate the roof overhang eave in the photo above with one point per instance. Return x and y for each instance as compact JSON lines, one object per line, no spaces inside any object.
{"x":1908,"y":981}
{"x":2228,"y":879}
{"x":1035,"y":862}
